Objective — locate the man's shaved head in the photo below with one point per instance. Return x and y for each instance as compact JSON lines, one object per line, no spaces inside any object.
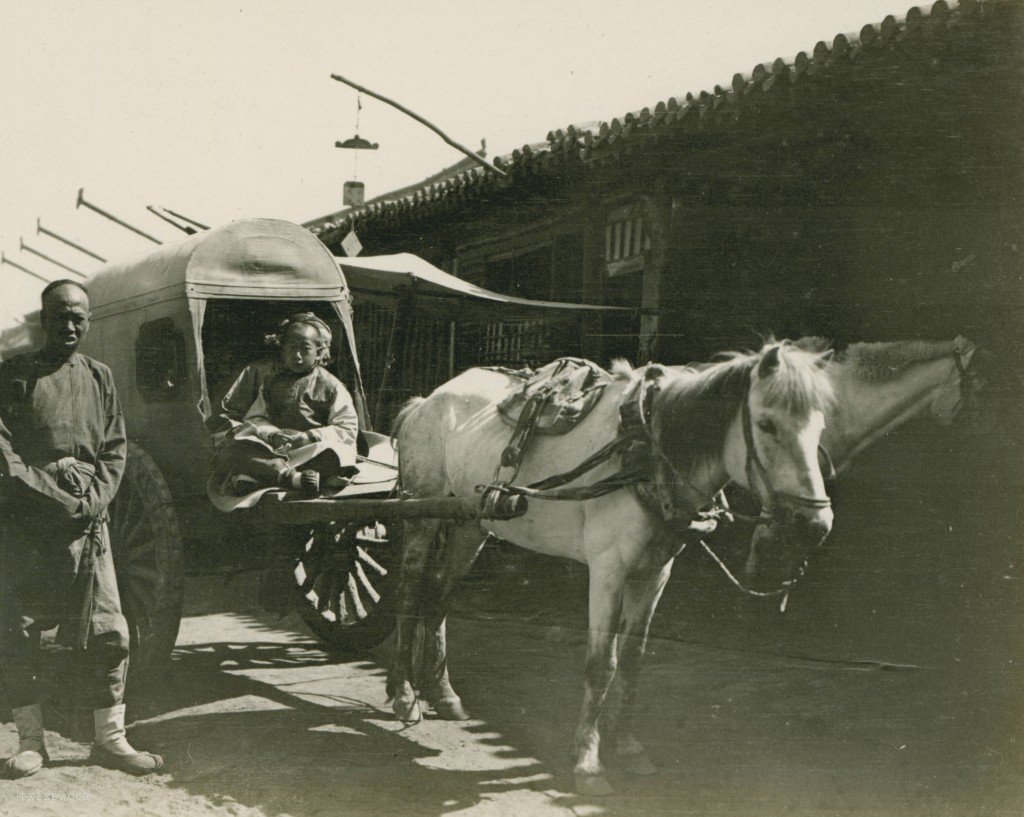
{"x":65,"y":316}
{"x":63,"y":287}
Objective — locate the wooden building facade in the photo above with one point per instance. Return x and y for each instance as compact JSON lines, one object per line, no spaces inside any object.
{"x":869,"y":189}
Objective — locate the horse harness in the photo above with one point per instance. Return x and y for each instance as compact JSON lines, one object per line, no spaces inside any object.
{"x":682,"y":510}
{"x":678,"y":505}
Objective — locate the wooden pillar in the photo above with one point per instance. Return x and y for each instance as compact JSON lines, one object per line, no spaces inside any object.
{"x":591,"y":343}
{"x":658,"y":225}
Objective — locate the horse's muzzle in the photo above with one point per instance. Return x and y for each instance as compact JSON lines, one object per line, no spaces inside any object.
{"x":780,"y":547}
{"x":811,"y":527}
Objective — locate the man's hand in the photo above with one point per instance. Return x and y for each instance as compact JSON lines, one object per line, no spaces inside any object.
{"x":287,"y":439}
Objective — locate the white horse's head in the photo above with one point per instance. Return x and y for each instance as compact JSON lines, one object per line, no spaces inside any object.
{"x":756,"y":419}
{"x":775,"y":455}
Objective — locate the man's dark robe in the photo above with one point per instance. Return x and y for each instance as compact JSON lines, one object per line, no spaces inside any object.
{"x":60,"y":423}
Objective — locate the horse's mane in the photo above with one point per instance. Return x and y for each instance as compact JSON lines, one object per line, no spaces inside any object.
{"x":880,"y":362}
{"x":697,"y":405}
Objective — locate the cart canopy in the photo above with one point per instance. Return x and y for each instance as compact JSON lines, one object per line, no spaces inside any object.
{"x":255,"y":258}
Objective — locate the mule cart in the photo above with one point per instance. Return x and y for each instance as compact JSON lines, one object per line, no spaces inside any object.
{"x":176,"y":326}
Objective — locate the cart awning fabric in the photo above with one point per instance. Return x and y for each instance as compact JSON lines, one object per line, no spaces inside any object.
{"x":384,"y":278}
{"x":253,"y":258}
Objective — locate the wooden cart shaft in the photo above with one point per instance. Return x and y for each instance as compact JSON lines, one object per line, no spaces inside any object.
{"x":454,"y":508}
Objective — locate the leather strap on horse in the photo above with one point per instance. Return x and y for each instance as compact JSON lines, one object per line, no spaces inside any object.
{"x":513,"y":453}
{"x":552,"y":487}
{"x":643,"y":463}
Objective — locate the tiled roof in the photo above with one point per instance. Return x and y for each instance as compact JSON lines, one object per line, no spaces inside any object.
{"x":433,"y":179}
{"x":782,"y":82}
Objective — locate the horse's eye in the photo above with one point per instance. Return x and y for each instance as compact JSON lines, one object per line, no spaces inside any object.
{"x":767,"y":426}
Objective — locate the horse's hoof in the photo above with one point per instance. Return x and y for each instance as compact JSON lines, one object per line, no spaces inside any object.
{"x":450,"y":709}
{"x":408,"y":712}
{"x":592,"y":785}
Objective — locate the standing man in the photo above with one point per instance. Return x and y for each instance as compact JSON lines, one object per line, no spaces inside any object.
{"x":62,"y":454}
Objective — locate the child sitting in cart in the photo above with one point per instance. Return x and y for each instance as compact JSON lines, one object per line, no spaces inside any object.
{"x":300,"y":431}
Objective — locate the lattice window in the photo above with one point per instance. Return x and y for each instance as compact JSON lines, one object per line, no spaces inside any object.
{"x":625,"y":241}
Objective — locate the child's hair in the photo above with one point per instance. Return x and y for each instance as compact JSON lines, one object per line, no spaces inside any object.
{"x":323,"y":332}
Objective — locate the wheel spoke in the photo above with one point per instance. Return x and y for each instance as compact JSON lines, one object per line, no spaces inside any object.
{"x":356,"y":601}
{"x":320,"y":586}
{"x":341,"y":606}
{"x":366,"y":557}
{"x":341,"y":573}
{"x":306,"y":580}
{"x":365,"y":582}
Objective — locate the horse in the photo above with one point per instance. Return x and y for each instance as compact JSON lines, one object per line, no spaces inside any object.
{"x":755,"y":418}
{"x":878,"y":387}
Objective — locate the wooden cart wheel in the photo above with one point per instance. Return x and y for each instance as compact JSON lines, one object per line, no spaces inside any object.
{"x":345,"y":579}
{"x":147,"y":548}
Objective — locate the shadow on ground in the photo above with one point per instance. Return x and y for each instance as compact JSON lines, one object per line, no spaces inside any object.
{"x":287,"y":728}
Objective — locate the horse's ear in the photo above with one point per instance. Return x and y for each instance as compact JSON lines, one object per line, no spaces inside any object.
{"x":769,"y":363}
{"x":654,"y":371}
{"x":963,"y":346}
{"x":825,"y":357}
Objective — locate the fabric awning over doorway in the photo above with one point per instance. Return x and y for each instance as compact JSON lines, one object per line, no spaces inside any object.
{"x":388,"y":277}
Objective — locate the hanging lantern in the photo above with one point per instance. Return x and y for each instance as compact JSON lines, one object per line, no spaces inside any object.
{"x":354,"y":195}
{"x":357,"y":142}
{"x":355,"y":191}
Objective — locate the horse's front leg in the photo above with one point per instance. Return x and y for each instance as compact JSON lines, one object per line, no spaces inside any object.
{"x":606,"y":589}
{"x":643,"y":590}
{"x":417,"y":542}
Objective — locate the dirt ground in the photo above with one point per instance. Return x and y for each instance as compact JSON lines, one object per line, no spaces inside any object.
{"x":255,"y":720}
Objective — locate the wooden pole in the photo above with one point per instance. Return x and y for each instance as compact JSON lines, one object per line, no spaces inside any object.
{"x":186,"y":219}
{"x":5,"y":260}
{"x":26,"y":248}
{"x":81,"y":201}
{"x":475,"y":157}
{"x":459,"y":508}
{"x":41,"y":229}
{"x":188,"y":229}
{"x":451,"y":349}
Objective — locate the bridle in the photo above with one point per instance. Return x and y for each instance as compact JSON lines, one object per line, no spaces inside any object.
{"x":967,"y":375}
{"x":770,"y":510}
{"x":776,"y":501}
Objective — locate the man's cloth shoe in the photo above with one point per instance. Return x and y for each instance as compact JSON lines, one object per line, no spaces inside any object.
{"x":111,"y":749}
{"x":31,"y":754}
{"x":138,"y":764}
{"x":24,"y":764}
{"x":307,"y":481}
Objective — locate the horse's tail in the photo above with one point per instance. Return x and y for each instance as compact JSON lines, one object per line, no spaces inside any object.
{"x":404,"y":413}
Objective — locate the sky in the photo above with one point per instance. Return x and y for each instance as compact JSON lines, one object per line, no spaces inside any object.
{"x":226,"y":110}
